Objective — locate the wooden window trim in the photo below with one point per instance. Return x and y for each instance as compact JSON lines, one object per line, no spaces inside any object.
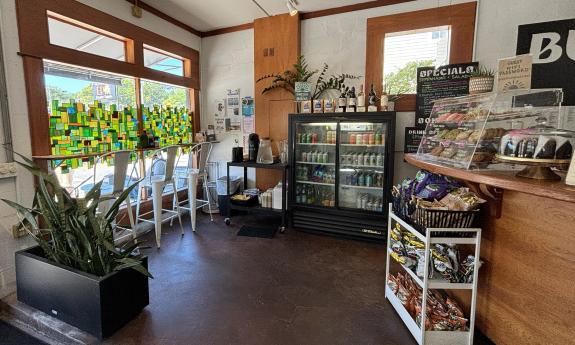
{"x":35,"y":46}
{"x":460,"y":18}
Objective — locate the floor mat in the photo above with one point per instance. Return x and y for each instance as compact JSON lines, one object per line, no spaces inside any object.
{"x":254,"y":231}
{"x":13,"y":336}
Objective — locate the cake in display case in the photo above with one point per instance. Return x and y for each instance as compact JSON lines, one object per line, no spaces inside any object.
{"x":501,"y":130}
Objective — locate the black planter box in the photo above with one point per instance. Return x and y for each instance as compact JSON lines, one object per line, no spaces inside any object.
{"x":97,"y":305}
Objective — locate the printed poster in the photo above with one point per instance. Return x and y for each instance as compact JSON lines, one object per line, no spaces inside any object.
{"x":233,"y":116}
{"x":247,"y":106}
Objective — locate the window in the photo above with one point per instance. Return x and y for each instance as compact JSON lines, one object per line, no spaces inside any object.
{"x":405,"y":51}
{"x":442,"y":34}
{"x":67,"y":82}
{"x":68,"y":33}
{"x":162,"y":61}
{"x":167,"y":95}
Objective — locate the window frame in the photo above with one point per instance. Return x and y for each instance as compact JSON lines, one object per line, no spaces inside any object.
{"x":35,"y":46}
{"x":460,"y":18}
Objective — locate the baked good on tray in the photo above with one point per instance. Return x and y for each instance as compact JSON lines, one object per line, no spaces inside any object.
{"x":528,"y":143}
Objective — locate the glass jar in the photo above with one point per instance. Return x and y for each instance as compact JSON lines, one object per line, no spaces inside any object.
{"x":265,"y":152}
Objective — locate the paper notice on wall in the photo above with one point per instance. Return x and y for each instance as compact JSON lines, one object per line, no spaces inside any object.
{"x":247,"y":106}
{"x":220,"y":125}
{"x":233,"y":115}
{"x":514,"y":73}
{"x":220,"y":108}
{"x":248,"y":128}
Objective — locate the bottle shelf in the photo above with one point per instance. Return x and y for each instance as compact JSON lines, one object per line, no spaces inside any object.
{"x":362,"y":145}
{"x":314,"y":163}
{"x":316,"y":144}
{"x":361,"y":187}
{"x":361,"y":166}
{"x":316,"y":183}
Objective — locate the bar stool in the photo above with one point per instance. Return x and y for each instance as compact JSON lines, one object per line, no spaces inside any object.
{"x":200,"y":154}
{"x":158,"y":182}
{"x":121,"y":160}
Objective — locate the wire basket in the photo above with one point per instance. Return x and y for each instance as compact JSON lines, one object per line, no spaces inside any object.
{"x":422,"y":218}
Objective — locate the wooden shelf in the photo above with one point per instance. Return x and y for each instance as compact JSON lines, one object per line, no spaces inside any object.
{"x":505,"y":180}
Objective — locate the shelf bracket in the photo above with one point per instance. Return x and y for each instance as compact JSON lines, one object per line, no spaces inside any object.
{"x":493,"y":195}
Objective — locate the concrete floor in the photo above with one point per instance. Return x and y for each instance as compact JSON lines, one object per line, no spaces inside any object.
{"x":214,"y":287}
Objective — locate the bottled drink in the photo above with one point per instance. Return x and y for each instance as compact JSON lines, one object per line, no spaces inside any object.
{"x":368,"y":180}
{"x":348,"y":179}
{"x":314,"y":138}
{"x":379,"y":160}
{"x":378,"y":138}
{"x":372,"y":99}
{"x":355,"y":159}
{"x":351,"y":101}
{"x":358,"y":202}
{"x":304,"y":156}
{"x":325,"y":157}
{"x":360,"y":159}
{"x":342,"y":100}
{"x":361,"y":98}
{"x":361,"y":180}
{"x":353,"y":179}
{"x":373,"y":159}
{"x":384,"y":100}
{"x":299,"y":137}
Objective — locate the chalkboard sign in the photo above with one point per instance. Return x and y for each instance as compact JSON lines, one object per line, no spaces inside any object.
{"x":413,"y":136}
{"x":442,"y":82}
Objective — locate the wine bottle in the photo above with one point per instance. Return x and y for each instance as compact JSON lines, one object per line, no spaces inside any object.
{"x":351,"y":101}
{"x":372,"y":99}
{"x":383,"y":105}
{"x":342,"y":101}
{"x":361,"y":99}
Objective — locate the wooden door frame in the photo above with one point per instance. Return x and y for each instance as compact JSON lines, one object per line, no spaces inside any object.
{"x":460,"y":18}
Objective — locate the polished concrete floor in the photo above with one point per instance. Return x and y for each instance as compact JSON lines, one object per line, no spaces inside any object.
{"x":214,"y":287}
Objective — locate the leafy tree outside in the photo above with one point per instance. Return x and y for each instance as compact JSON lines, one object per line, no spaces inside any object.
{"x":404,"y":81}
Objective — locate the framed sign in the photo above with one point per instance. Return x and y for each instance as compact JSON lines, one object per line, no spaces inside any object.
{"x":514,"y":73}
{"x":552,"y":45}
{"x":413,"y":137}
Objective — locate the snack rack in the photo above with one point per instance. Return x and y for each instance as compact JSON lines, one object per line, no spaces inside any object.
{"x":422,"y":336}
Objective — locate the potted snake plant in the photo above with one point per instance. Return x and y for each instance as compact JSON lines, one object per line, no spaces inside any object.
{"x":481,"y":80}
{"x":76,"y":273}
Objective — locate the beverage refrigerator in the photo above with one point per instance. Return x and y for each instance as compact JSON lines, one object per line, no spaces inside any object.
{"x":341,"y":172}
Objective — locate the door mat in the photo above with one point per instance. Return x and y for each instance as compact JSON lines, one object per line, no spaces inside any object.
{"x":254,"y":231}
{"x":13,"y":336}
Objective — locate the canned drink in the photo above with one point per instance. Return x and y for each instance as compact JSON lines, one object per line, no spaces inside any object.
{"x":351,"y":139}
{"x":365,"y":139}
{"x":371,"y":138}
{"x":358,"y":139}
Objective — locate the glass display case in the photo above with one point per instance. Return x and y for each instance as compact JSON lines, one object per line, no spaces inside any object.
{"x":341,"y":166}
{"x":505,"y":130}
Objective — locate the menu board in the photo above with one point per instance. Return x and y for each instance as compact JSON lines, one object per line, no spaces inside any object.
{"x":442,"y":82}
{"x":413,"y":136}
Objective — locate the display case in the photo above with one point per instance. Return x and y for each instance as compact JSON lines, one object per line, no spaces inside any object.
{"x":342,"y":172}
{"x":505,"y":130}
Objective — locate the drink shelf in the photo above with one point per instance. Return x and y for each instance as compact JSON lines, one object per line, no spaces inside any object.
{"x":361,"y":166}
{"x":361,"y":187}
{"x":316,"y":183}
{"x":311,"y":144}
{"x":362,"y":145}
{"x":313,"y":163}
{"x":433,"y":283}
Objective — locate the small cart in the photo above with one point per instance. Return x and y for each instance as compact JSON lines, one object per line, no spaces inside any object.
{"x":275,"y":166}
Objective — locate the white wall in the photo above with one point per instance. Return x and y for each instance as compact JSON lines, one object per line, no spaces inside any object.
{"x":22,"y":188}
{"x":227,"y":62}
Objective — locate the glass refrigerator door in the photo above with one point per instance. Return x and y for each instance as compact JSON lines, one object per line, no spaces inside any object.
{"x":315,"y":164}
{"x":361,"y":166}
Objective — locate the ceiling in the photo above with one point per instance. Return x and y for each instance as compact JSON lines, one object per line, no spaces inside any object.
{"x":209,"y":15}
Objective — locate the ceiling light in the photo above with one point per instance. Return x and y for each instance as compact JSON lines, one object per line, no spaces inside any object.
{"x":291,"y":5}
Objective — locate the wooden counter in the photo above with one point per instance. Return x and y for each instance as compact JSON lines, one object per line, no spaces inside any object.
{"x":526,"y":290}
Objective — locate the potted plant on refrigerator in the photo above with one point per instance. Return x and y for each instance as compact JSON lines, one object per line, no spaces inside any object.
{"x":76,"y":273}
{"x":481,"y":80}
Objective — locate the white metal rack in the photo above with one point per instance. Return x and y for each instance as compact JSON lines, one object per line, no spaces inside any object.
{"x":422,"y":336}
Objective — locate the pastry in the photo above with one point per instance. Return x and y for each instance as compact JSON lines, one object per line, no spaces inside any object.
{"x":449,"y":152}
{"x":564,"y":148}
{"x":545,"y":148}
{"x":464,"y":135}
{"x":436,"y":151}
